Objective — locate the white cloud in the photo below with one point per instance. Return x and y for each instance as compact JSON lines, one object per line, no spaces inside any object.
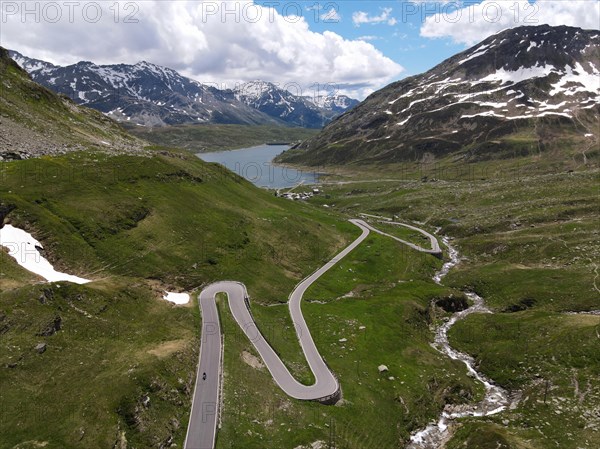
{"x":368,"y":38}
{"x":221,"y":43}
{"x":473,"y":23}
{"x":361,"y":17}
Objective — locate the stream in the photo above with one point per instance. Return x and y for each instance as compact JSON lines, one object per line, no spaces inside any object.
{"x":496,"y":398}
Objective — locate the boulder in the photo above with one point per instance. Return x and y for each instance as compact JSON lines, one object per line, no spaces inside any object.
{"x":51,"y":328}
{"x":46,"y":296}
{"x":5,"y":209}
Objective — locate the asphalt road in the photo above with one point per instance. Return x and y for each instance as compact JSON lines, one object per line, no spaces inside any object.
{"x":203,"y":419}
{"x":435,"y":246}
{"x":205,"y":402}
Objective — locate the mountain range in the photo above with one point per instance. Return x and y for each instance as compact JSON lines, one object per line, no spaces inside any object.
{"x":520,"y":92}
{"x":150,"y":95}
{"x":306,"y":111}
{"x":34,"y":121}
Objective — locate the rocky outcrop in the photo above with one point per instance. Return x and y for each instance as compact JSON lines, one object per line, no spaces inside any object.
{"x":5,"y":209}
{"x":51,"y":327}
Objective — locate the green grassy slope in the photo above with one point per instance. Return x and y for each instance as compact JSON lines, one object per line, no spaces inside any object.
{"x":169,"y":217}
{"x":118,"y":369}
{"x":135,"y":226}
{"x":530,"y":248}
{"x":391,"y":292}
{"x":119,"y":365}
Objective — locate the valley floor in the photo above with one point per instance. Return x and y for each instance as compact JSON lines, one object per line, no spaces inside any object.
{"x":121,"y":374}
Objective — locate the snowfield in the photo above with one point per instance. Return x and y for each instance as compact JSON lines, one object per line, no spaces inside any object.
{"x":26,"y":251}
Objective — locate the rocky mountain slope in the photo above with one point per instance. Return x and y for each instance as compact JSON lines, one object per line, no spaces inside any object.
{"x":34,"y":121}
{"x":143,"y":93}
{"x":338,"y":104}
{"x":305,"y":111}
{"x":151,"y":95}
{"x":522,"y":91}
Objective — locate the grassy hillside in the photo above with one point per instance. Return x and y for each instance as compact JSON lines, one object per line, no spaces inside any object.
{"x":123,"y":361}
{"x":136,"y":226}
{"x":372,"y":309}
{"x":530,"y":248}
{"x":119,"y":363}
{"x":535,"y":147}
{"x":203,"y":138}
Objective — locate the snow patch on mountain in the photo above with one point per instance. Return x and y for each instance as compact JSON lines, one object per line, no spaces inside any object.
{"x":540,"y":75}
{"x":516,"y":76}
{"x":576,"y":80}
{"x":478,"y":52}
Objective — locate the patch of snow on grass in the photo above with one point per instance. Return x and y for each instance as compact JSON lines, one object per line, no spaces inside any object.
{"x":177,"y":298}
{"x":24,"y":249}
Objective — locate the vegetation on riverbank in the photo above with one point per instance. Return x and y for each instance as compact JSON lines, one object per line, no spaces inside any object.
{"x":529,"y":246}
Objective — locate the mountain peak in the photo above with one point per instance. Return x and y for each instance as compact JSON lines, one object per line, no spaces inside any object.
{"x":30,"y":65}
{"x":523,"y":80}
{"x":152,"y":95}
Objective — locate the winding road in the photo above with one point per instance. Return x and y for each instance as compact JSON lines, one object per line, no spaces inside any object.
{"x":205,"y":402}
{"x":435,"y":246}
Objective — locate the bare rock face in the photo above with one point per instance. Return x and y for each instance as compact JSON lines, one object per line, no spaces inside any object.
{"x":41,"y":348}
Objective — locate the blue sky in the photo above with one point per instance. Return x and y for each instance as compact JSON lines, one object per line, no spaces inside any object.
{"x":356,"y":46}
{"x":394,"y":28}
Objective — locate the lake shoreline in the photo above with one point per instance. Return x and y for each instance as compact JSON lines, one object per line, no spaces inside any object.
{"x":256,"y":165}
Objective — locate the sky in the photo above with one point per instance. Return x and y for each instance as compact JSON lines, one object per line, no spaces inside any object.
{"x":309,"y":47}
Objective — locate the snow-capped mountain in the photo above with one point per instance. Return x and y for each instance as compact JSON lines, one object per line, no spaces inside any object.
{"x":299,"y":110}
{"x":518,"y":91}
{"x":31,"y":65}
{"x":151,"y":95}
{"x":35,"y":122}
{"x":143,"y":93}
{"x":338,"y":104}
